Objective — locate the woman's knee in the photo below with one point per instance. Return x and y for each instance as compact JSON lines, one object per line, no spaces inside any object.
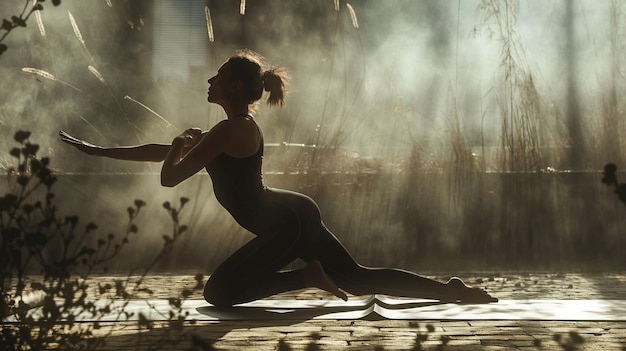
{"x":217,"y":294}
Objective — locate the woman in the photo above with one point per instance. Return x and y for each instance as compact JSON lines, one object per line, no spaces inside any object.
{"x":287,"y":225}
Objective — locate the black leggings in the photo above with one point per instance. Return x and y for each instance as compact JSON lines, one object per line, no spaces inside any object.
{"x":296,"y":231}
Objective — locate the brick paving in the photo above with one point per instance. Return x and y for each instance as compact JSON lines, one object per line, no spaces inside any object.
{"x":379,"y":335}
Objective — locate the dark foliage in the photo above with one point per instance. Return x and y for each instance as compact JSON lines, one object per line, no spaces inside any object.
{"x":610,"y":179}
{"x":19,"y":21}
{"x":48,"y":260}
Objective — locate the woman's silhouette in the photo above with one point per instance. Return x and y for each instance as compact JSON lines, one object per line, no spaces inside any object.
{"x":287,"y":225}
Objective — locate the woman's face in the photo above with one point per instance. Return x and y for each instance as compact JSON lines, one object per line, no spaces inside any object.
{"x":220,"y":86}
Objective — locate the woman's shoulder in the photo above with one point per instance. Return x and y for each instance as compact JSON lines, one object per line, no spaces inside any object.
{"x":223,"y":126}
{"x":234,"y":131}
{"x":234,"y":122}
{"x":237,"y":125}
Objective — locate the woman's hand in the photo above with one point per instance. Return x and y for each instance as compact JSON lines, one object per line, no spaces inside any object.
{"x":81,"y":145}
{"x":190,"y":137}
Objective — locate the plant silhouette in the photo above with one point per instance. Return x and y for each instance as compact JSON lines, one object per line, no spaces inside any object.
{"x":571,"y":342}
{"x":610,"y":179}
{"x":19,"y":21}
{"x":48,"y":260}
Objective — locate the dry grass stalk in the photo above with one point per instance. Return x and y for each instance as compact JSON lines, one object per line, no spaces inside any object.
{"x":47,"y":75}
{"x":355,"y":22}
{"x":76,"y":30}
{"x":209,"y":23}
{"x":39,"y":72}
{"x":336,"y":5}
{"x":242,"y":7}
{"x":95,"y":72}
{"x":151,"y":111}
{"x":42,"y":29}
{"x":90,"y":125}
{"x":109,"y":3}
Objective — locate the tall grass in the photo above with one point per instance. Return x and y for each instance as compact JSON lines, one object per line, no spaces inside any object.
{"x":516,"y":94}
{"x":340,"y":84}
{"x":613,"y":141}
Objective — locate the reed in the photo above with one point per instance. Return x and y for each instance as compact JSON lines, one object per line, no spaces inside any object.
{"x":51,"y":77}
{"x":79,"y":35}
{"x":613,"y":142}
{"x":76,"y":29}
{"x":96,"y":73}
{"x":153,"y":112}
{"x":209,"y":24}
{"x":42,"y":29}
{"x":39,"y":72}
{"x":355,"y":21}
{"x":90,"y":125}
{"x":330,"y":135}
{"x":517,"y":95}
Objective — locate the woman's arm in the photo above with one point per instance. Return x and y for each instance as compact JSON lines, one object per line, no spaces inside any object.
{"x":204,"y":147}
{"x":146,"y":152}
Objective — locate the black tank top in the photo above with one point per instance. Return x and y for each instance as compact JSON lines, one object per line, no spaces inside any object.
{"x":238,"y":184}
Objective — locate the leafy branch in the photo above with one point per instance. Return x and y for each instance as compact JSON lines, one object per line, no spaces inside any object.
{"x":19,"y":21}
{"x":610,"y":179}
{"x":48,"y":260}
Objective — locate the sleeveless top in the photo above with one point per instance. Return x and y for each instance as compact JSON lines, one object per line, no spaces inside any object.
{"x":238,"y":184}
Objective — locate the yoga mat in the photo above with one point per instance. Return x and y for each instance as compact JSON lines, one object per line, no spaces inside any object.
{"x":374,"y":308}
{"x":388,"y":308}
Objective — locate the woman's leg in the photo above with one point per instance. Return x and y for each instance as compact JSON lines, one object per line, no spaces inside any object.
{"x":360,"y":280}
{"x":322,"y":245}
{"x":252,"y":272}
{"x":357,"y":279}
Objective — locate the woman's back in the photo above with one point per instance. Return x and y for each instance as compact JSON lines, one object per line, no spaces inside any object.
{"x":238,"y":182}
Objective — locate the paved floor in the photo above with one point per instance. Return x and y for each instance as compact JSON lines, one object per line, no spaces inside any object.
{"x":380,"y":334}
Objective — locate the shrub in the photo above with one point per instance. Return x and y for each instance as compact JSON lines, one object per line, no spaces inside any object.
{"x":47,"y":259}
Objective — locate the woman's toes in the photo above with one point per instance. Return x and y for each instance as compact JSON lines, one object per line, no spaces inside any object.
{"x":340,"y":294}
{"x":459,"y":291}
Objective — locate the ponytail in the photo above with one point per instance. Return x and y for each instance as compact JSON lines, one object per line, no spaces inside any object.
{"x":274,"y":80}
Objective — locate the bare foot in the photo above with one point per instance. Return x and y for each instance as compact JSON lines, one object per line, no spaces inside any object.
{"x":459,"y":291}
{"x":315,"y":276}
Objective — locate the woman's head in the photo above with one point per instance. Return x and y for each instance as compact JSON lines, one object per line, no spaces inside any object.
{"x":246,"y":70}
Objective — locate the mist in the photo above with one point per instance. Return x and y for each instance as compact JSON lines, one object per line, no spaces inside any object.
{"x":441,"y":127}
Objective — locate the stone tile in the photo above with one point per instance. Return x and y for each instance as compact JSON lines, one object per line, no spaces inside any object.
{"x":362,"y":335}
